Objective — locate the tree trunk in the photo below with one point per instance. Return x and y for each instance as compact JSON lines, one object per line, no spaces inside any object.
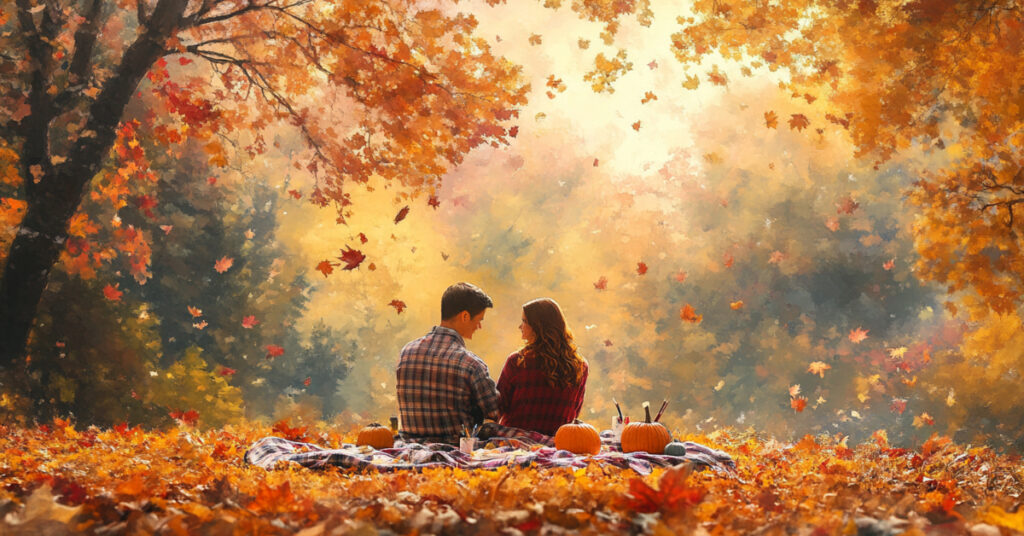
{"x":54,"y":198}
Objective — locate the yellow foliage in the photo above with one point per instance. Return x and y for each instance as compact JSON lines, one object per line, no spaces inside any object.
{"x":189,"y":385}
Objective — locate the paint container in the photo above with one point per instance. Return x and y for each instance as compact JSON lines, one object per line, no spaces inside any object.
{"x":467,"y":444}
{"x":617,"y":427}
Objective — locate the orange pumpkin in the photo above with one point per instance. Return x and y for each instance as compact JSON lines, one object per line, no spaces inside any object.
{"x":376,"y":436}
{"x":578,"y":437}
{"x":645,"y":436}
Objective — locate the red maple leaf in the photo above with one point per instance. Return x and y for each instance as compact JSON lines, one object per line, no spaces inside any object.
{"x":399,"y":305}
{"x":402,"y":214}
{"x":798,"y":403}
{"x":641,"y":268}
{"x":295,"y":193}
{"x":514,"y":131}
{"x":859,"y":334}
{"x":798,"y":122}
{"x":363,"y":239}
{"x":146,"y":203}
{"x":325,"y":267}
{"x":433,"y":202}
{"x":225,"y":371}
{"x":190,"y":417}
{"x":274,"y":350}
{"x":602,"y":283}
{"x":223,"y":264}
{"x":889,"y":264}
{"x":111,"y":293}
{"x":249,"y":322}
{"x":281,"y":429}
{"x":898,"y":405}
{"x":674,"y":494}
{"x":352,"y":258}
{"x":607,"y":342}
{"x":680,"y":276}
{"x":847,"y":205}
{"x":689,"y":314}
{"x":307,"y":381}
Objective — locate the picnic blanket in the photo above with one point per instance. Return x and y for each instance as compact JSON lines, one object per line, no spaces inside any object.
{"x":498,"y":451}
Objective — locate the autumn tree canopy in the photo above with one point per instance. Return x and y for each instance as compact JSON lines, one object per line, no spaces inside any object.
{"x":417,"y":92}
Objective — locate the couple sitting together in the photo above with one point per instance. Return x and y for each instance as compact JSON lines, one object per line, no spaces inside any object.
{"x":443,"y":387}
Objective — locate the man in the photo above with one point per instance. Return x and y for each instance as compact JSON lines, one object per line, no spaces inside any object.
{"x":442,"y":386}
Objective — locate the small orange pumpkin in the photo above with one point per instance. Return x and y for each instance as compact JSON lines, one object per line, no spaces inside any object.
{"x":578,"y":437}
{"x":645,"y":436}
{"x":377,"y":436}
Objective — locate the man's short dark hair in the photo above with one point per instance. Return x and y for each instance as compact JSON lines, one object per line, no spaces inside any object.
{"x":464,"y":297}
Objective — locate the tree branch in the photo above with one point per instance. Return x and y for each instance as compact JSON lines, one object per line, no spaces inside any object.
{"x":85,"y":39}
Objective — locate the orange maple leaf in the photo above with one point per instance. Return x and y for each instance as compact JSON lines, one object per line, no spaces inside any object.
{"x":194,"y":311}
{"x":223,"y":264}
{"x":282,"y":429}
{"x":858,"y":335}
{"x":736,"y":305}
{"x":798,"y":122}
{"x":847,"y":205}
{"x":898,"y":405}
{"x":832,"y":224}
{"x":535,"y":39}
{"x":325,"y":267}
{"x":111,"y":293}
{"x":819,"y":368}
{"x":770,"y":119}
{"x":399,"y":305}
{"x":680,"y":276}
{"x":688,"y":314}
{"x":351,"y":257}
{"x":648,"y":97}
{"x":798,"y":404}
{"x":249,"y":322}
{"x":674,"y":494}
{"x":602,"y":283}
{"x":641,"y":268}
{"x":636,"y":126}
{"x":433,"y":201}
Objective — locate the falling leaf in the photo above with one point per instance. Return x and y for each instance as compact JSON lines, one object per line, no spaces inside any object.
{"x":858,"y":335}
{"x":736,"y":305}
{"x":295,"y":193}
{"x":680,"y":276}
{"x":770,"y":119}
{"x":274,"y":350}
{"x":325,"y":268}
{"x":166,"y":229}
{"x":583,"y":44}
{"x":433,"y":201}
{"x":351,"y":258}
{"x":307,"y":381}
{"x":648,"y":97}
{"x":653,"y":65}
{"x":951,"y":398}
{"x":225,"y":371}
{"x":641,"y":268}
{"x":535,"y":39}
{"x":200,"y":325}
{"x":719,"y":385}
{"x":898,"y":405}
{"x":602,"y":283}
{"x":399,"y":305}
{"x":636,"y":126}
{"x":401,"y":214}
{"x":832,"y":223}
{"x":363,"y":239}
{"x":595,"y":162}
{"x":223,"y":264}
{"x":249,"y":322}
{"x":889,"y":264}
{"x":798,"y":122}
{"x":249,"y":234}
{"x":688,"y":314}
{"x":798,"y":404}
{"x":776,"y":257}
{"x":794,"y":390}
{"x":607,"y":342}
{"x":111,"y":293}
{"x":897,"y":353}
{"x":727,"y":260}
{"x":847,"y":205}
{"x":692,"y":82}
{"x":194,"y":311}
{"x":819,"y":368}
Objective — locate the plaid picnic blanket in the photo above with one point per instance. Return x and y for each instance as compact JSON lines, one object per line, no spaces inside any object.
{"x":522,"y":450}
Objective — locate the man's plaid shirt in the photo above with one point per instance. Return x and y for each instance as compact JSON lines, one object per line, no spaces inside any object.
{"x":442,"y":385}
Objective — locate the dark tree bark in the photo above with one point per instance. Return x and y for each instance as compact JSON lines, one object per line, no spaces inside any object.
{"x":55,"y":191}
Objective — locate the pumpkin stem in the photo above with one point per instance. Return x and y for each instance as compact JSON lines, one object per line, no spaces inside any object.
{"x":647,"y":410}
{"x":577,"y":421}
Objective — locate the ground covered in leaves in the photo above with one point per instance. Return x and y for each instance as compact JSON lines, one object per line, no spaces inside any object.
{"x":59,"y":478}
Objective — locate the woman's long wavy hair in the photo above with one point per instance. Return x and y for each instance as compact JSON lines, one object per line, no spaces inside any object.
{"x":553,"y":346}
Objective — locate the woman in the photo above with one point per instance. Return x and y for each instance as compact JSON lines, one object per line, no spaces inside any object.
{"x":542,"y":385}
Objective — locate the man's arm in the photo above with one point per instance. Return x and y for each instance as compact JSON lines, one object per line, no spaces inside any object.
{"x":484,"y":391}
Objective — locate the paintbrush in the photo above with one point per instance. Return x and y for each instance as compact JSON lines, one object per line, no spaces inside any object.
{"x":662,"y":410}
{"x":617,"y":408}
